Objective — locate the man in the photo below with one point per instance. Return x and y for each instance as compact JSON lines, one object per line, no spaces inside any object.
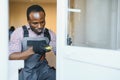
{"x":36,"y":66}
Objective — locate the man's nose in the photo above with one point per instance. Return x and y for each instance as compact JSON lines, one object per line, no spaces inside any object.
{"x":39,"y":25}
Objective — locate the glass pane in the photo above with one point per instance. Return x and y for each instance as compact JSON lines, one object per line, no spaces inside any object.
{"x":93,"y":23}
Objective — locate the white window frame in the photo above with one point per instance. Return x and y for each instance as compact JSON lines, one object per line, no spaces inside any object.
{"x":100,"y":57}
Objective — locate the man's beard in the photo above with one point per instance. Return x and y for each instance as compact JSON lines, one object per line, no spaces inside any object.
{"x":38,"y":31}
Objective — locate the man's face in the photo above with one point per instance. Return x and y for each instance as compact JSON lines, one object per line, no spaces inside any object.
{"x":37,"y":21}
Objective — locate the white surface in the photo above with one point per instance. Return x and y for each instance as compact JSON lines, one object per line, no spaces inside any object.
{"x":79,"y":63}
{"x":14,"y":66}
{"x":3,"y":39}
{"x":73,"y":70}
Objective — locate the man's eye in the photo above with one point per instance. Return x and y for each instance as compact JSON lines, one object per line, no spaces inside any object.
{"x":34,"y":23}
{"x":42,"y":22}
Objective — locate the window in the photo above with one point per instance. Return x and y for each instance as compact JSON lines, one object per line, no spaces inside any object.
{"x":94,"y":23}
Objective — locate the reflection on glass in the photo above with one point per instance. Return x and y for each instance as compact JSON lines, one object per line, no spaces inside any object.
{"x":93,"y":23}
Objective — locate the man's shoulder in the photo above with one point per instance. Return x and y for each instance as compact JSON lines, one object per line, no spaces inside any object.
{"x":17,"y":34}
{"x":51,"y":31}
{"x":20,"y":28}
{"x":52,"y":34}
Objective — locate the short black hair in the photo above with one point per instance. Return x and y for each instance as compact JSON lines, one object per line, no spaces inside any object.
{"x":34,"y":8}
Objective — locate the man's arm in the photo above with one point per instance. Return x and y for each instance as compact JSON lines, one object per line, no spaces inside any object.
{"x":15,"y":46}
{"x":21,"y":55}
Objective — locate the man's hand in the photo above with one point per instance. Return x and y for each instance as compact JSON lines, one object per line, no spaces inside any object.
{"x":30,"y":51}
{"x":42,"y":49}
{"x":22,"y":55}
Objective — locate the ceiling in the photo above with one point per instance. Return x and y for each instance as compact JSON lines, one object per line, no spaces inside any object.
{"x":40,"y":1}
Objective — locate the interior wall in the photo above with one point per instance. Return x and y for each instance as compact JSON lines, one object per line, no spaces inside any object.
{"x":17,"y":18}
{"x":17,"y":14}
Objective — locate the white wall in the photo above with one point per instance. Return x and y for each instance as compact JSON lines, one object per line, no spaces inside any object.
{"x":3,"y":39}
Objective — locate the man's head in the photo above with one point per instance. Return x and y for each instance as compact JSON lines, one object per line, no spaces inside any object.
{"x":36,"y":18}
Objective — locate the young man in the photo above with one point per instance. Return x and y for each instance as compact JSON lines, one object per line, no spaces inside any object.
{"x":36,"y":66}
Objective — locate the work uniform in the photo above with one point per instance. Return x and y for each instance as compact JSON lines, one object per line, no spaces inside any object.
{"x":34,"y":68}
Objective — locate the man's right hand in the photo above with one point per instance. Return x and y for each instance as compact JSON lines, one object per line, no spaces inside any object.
{"x":21,"y":55}
{"x":30,"y":51}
